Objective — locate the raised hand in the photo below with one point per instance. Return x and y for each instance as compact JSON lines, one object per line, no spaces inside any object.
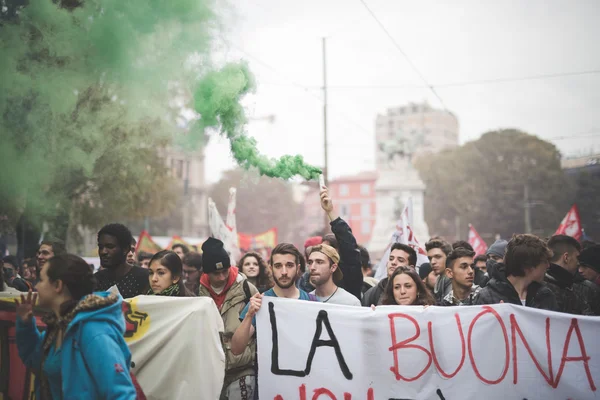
{"x":326,"y":202}
{"x":255,"y":303}
{"x":25,"y":307}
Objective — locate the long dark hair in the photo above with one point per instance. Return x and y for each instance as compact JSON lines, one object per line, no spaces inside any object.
{"x":263,"y":281}
{"x":75,"y":274}
{"x":424,"y":297}
{"x":171,"y":260}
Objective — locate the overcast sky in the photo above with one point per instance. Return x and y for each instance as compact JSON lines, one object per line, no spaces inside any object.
{"x":448,"y":41}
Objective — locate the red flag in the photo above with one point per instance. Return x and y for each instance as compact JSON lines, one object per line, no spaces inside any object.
{"x":147,"y":244}
{"x":571,"y":224}
{"x":476,"y":241}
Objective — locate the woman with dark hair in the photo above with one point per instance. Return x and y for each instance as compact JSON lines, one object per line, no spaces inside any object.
{"x":406,"y":289}
{"x":83,"y":352}
{"x":255,"y":269}
{"x":166,"y":270}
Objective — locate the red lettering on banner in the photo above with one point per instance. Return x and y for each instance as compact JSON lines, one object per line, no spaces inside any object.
{"x":515,"y":328}
{"x":370,"y":395}
{"x":584,"y":357}
{"x":320,"y":391}
{"x":405,"y":345}
{"x":462,"y":343}
{"x":489,"y":310}
{"x":301,"y":393}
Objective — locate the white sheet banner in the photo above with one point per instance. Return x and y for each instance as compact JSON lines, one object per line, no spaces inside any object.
{"x":176,"y":346}
{"x":309,"y":350}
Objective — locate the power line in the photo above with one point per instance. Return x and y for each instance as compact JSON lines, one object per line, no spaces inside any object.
{"x":413,"y":66}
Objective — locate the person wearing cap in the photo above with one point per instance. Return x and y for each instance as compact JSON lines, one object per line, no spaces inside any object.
{"x":428,"y":276}
{"x":497,"y":250}
{"x":589,"y":263}
{"x":323,"y":265}
{"x":230,"y":291}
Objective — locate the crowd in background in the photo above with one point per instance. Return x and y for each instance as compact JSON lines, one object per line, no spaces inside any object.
{"x":558,"y":274}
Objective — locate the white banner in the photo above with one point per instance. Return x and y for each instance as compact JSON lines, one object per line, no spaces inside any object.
{"x":176,"y":347}
{"x":405,"y":235}
{"x":220,"y":231}
{"x":309,"y":350}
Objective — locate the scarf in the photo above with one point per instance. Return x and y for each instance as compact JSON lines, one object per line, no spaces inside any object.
{"x":59,"y":324}
{"x":172,"y":290}
{"x":219,"y":298}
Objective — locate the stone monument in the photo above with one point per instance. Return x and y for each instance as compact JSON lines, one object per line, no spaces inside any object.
{"x":398,"y":180}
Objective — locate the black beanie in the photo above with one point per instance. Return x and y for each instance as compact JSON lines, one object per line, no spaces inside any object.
{"x":590,"y":257}
{"x":424,"y":270}
{"x":214,"y":256}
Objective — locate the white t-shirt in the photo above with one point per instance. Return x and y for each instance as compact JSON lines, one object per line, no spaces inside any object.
{"x":341,"y":297}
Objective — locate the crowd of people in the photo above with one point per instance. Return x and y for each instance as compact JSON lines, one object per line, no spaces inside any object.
{"x":85,"y":326}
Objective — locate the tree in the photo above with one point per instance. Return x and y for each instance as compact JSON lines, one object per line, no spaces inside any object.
{"x":484,"y":182}
{"x":262,"y":203}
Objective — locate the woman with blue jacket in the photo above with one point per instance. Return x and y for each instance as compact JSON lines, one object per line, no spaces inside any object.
{"x":82,"y":354}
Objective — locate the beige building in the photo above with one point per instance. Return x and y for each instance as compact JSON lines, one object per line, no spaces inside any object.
{"x":414,"y":128}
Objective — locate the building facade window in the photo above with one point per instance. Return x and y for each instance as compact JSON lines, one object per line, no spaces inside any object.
{"x":365,"y":227}
{"x":365,"y":189}
{"x":344,"y":190}
{"x":365,"y":210}
{"x":344,"y":210}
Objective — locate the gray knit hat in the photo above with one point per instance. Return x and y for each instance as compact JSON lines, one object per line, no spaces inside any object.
{"x":498,"y":248}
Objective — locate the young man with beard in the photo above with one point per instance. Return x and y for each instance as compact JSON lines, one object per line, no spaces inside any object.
{"x":572,"y":295}
{"x":401,"y":255}
{"x":520,"y":280}
{"x":231,"y":292}
{"x":459,"y":269}
{"x":285,"y":268}
{"x":437,"y":252}
{"x":323,"y":265}
{"x":114,"y":243}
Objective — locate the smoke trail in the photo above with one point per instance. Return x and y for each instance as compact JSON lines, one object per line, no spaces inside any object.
{"x":217,"y":100}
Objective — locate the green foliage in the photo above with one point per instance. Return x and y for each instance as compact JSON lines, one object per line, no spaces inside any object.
{"x":483,"y":183}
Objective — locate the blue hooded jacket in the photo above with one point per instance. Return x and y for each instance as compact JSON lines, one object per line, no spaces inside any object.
{"x":95,"y":359}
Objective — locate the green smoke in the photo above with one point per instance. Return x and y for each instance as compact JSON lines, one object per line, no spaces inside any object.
{"x":217,"y":100}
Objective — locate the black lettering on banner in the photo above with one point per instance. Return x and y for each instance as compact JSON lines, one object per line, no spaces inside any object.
{"x":438,"y":392}
{"x":322,"y":318}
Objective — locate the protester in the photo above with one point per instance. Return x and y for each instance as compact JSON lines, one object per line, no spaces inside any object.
{"x":231,"y":292}
{"x":30,"y":273}
{"x":285,"y":267}
{"x":131,"y":256}
{"x":114,"y":243}
{"x":166,"y":275}
{"x":255,"y":269}
{"x":520,"y":279}
{"x":82,"y":352}
{"x":460,"y":271}
{"x":367,"y":270}
{"x":11,"y":274}
{"x":589,"y":264}
{"x":497,"y":250}
{"x":406,"y":289}
{"x":572,"y":297}
{"x":437,"y":252}
{"x":47,"y":250}
{"x":144,"y":259}
{"x":401,"y":255}
{"x":481,"y":263}
{"x":462,"y":243}
{"x":323,"y":264}
{"x":5,"y":290}
{"x":428,"y":276}
{"x":180,"y":249}
{"x":192,"y":271}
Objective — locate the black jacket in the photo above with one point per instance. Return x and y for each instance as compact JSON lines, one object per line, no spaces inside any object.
{"x":500,"y":289}
{"x":572,"y":298}
{"x":374,"y":296}
{"x":350,"y":264}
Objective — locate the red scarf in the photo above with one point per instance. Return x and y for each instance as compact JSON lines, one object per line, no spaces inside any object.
{"x":220,"y":298}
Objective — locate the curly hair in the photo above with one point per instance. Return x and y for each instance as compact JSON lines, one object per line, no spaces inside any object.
{"x":119,"y":231}
{"x":424,"y":297}
{"x":263,"y":281}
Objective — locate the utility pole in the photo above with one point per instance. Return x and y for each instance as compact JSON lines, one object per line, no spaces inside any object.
{"x":326,"y":164}
{"x":526,"y":206}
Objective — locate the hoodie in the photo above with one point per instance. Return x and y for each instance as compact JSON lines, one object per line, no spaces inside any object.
{"x":219,"y":298}
{"x":94,"y":359}
{"x":499,"y":289}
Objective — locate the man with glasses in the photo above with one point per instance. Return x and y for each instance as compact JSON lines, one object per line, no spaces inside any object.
{"x":192,"y":270}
